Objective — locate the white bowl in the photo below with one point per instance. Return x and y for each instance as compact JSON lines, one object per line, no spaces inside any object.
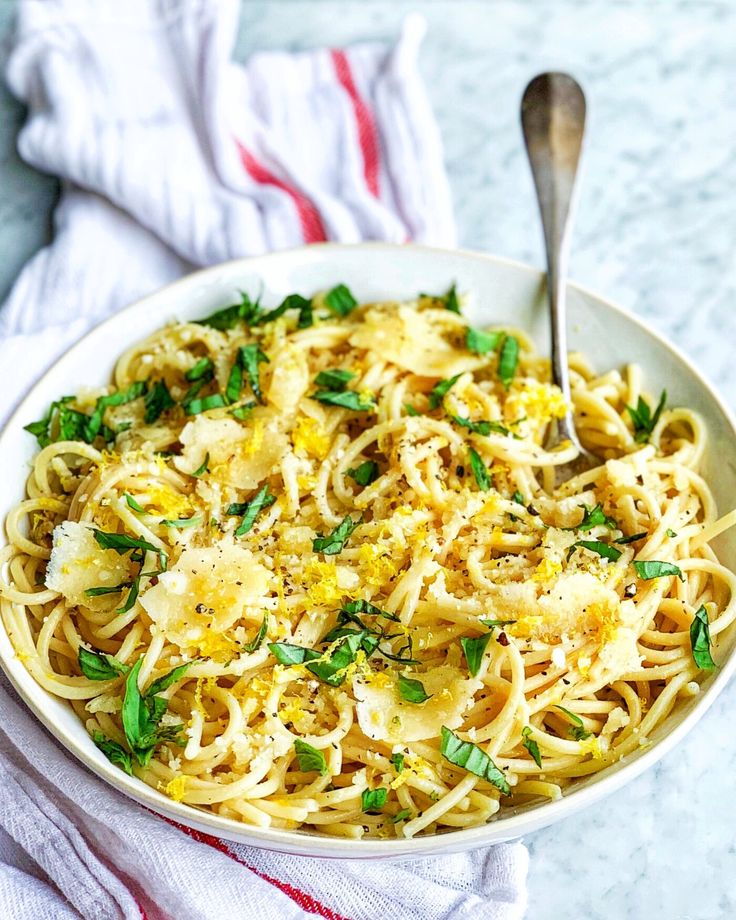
{"x":500,"y":291}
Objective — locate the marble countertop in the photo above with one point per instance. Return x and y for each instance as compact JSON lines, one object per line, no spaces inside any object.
{"x":656,"y":232}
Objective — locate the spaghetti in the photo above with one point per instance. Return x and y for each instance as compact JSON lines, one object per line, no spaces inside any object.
{"x":309,"y":568}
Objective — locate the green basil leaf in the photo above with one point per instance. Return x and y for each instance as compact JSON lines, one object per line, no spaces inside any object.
{"x":670,"y":532}
{"x":469,"y":756}
{"x":99,"y":666}
{"x":163,"y":683}
{"x":410,"y":410}
{"x":331,"y":668}
{"x":336,"y":379}
{"x":247,"y":361}
{"x":412,"y":690}
{"x":306,"y":314}
{"x":398,"y":762}
{"x":250,"y":510}
{"x":441,"y":389}
{"x":122,"y":543}
{"x":373,"y":800}
{"x":401,"y":815}
{"x":481,"y":427}
{"x":361,"y":606}
{"x":334,"y":542}
{"x":94,"y":423}
{"x":107,"y":589}
{"x":256,"y":643}
{"x":157,"y":401}
{"x":518,"y":498}
{"x":204,"y":404}
{"x":340,"y":300}
{"x":347,"y":399}
{"x":132,"y":596}
{"x":643,"y":419}
{"x":182,"y":523}
{"x":288,"y":654}
{"x":243,"y":412}
{"x":365,"y":474}
{"x":577,"y":730}
{"x":451,"y":300}
{"x":508,"y":360}
{"x":204,"y":369}
{"x":133,"y":504}
{"x":594,"y":517}
{"x":632,"y":539}
{"x":652,"y":568}
{"x":480,"y":471}
{"x":480,"y":343}
{"x":114,"y":752}
{"x":700,"y":640}
{"x":474,"y":650}
{"x":229,"y":317}
{"x":531,"y":745}
{"x":202,"y":469}
{"x":491,"y":624}
{"x":603,"y":549}
{"x":310,"y":758}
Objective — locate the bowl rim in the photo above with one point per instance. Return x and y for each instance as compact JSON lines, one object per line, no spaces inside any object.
{"x":309,"y":843}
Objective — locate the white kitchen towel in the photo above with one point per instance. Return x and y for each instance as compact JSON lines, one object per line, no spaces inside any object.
{"x":173,"y":156}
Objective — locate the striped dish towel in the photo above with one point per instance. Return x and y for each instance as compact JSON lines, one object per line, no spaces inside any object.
{"x":172,"y":156}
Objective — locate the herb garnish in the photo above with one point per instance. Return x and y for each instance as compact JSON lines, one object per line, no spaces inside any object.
{"x":508,"y":359}
{"x":481,"y":427}
{"x":643,"y":419}
{"x":440,"y":390}
{"x":474,"y":649}
{"x":410,"y":410}
{"x":469,"y":756}
{"x":229,"y":317}
{"x":114,"y":752}
{"x":257,"y":642}
{"x":99,"y":666}
{"x":157,"y":401}
{"x":365,"y":474}
{"x":335,"y":379}
{"x":247,"y":359}
{"x":182,"y":523}
{"x":531,"y":745}
{"x":310,"y":758}
{"x":594,"y":517}
{"x":142,"y":712}
{"x":491,"y":624}
{"x":346,"y":399}
{"x":397,"y":760}
{"x":202,"y":468}
{"x":340,"y":300}
{"x":481,"y":342}
{"x":632,"y":539}
{"x":373,"y":800}
{"x":201,"y":370}
{"x":700,"y":640}
{"x":401,"y":815}
{"x":251,"y":509}
{"x":334,"y":542}
{"x":412,"y":690}
{"x":652,"y":568}
{"x":577,"y":729}
{"x":603,"y":549}
{"x":204,"y":404}
{"x":133,"y":504}
{"x":480,"y":471}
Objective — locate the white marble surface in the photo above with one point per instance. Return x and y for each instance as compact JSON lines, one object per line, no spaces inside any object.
{"x":656,"y":231}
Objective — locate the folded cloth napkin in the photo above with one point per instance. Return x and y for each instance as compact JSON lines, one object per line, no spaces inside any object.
{"x":173,"y":156}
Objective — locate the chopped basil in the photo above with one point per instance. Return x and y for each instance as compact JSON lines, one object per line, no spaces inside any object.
{"x":481,"y":427}
{"x":410,"y":410}
{"x":122,"y":543}
{"x":182,"y":523}
{"x":603,"y":549}
{"x":288,"y":654}
{"x":250,"y":510}
{"x":229,"y":317}
{"x":469,"y":756}
{"x":202,"y":469}
{"x":42,"y":428}
{"x":374,"y":799}
{"x":290,"y":302}
{"x":451,"y":300}
{"x":652,"y":568}
{"x":201,"y":370}
{"x":594,"y":517}
{"x":257,"y":642}
{"x":107,"y":589}
{"x":310,"y":758}
{"x":336,"y":379}
{"x":114,"y":752}
{"x":480,"y":471}
{"x":700,"y":640}
{"x":518,"y":498}
{"x":133,"y":504}
{"x":157,"y":401}
{"x":531,"y":745}
{"x":331,"y":668}
{"x":577,"y":729}
{"x":306,"y":313}
{"x":474,"y":649}
{"x":100,"y":666}
{"x":643,"y":419}
{"x":508,"y":359}
{"x":365,"y":474}
{"x":94,"y":424}
{"x":481,"y":342}
{"x":670,"y":532}
{"x":440,"y":390}
{"x":360,"y":606}
{"x":346,"y":399}
{"x":243,"y":412}
{"x":632,"y":539}
{"x":401,"y":815}
{"x":491,"y":624}
{"x":334,"y":542}
{"x":204,"y":404}
{"x":247,"y":359}
{"x":340,"y":300}
{"x":397,"y":760}
{"x":132,"y":596}
{"x":141,"y":714}
{"x":412,"y":690}
{"x":163,"y":683}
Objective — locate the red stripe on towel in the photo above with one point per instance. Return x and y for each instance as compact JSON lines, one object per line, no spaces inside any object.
{"x":311,"y":223}
{"x":367,"y":133}
{"x":304,"y":900}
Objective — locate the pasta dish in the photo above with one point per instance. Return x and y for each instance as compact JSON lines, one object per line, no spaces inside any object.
{"x":311,"y":567}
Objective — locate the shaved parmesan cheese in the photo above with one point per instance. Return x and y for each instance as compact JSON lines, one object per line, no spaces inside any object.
{"x":384,"y":716}
{"x":206,"y":593}
{"x":78,"y":563}
{"x":412,"y":340}
{"x":289,"y":378}
{"x":238,"y":456}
